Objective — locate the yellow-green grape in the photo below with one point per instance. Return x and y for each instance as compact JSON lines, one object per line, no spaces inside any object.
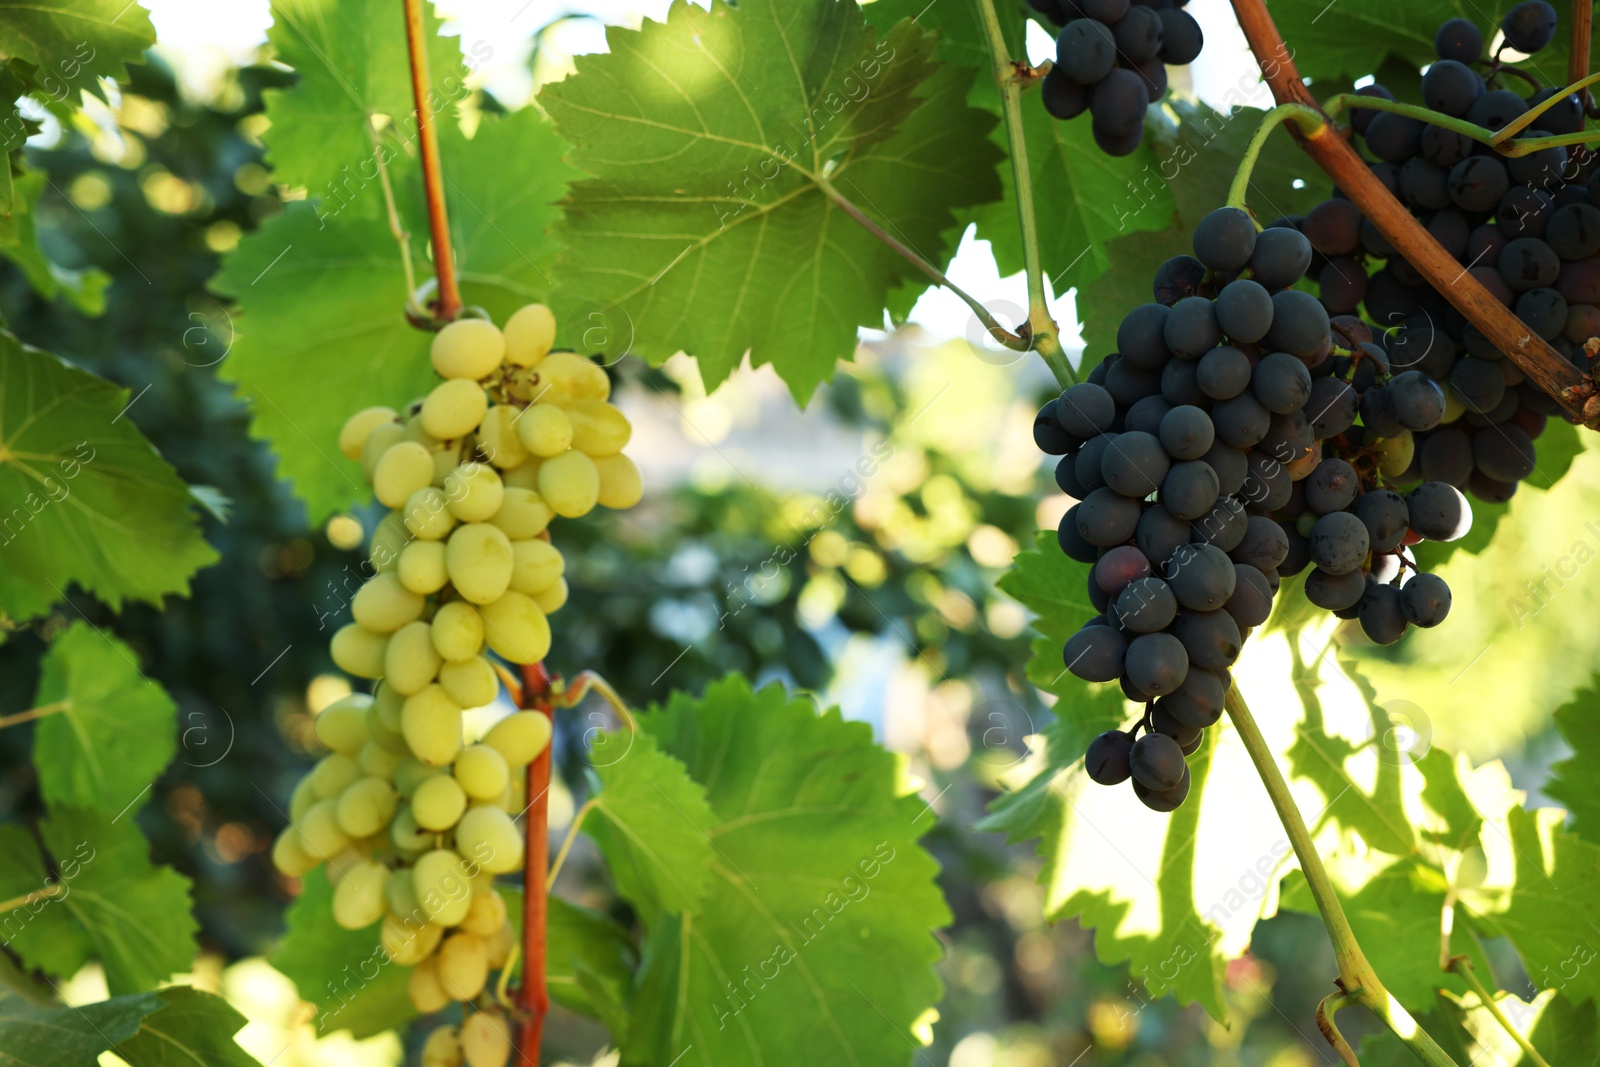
{"x":474,"y":492}
{"x":523,"y":514}
{"x":428,"y":996}
{"x":444,"y":462}
{"x":467,"y":348}
{"x":545,"y":430}
{"x":388,"y":538}
{"x":302,"y":797}
{"x":520,"y":737}
{"x":442,"y":1048}
{"x":359,"y":902}
{"x":357,"y":650}
{"x":387,"y":703}
{"x":319,"y":830}
{"x":1395,"y":453}
{"x":411,"y":773}
{"x":535,"y":565}
{"x":378,"y":758}
{"x":416,"y":431}
{"x":359,"y":427}
{"x":620,"y":484}
{"x":482,"y":772}
{"x":485,"y":835}
{"x":471,"y":683}
{"x":377,"y":445}
{"x":401,"y":894}
{"x":289,"y":854}
{"x":411,"y":662}
{"x":383,"y":605}
{"x":422,"y":569}
{"x":570,"y":484}
{"x":498,"y":438}
{"x":427,"y":514}
{"x":524,"y":475}
{"x":438,"y":803}
{"x":529,"y":333}
{"x":332,"y":775}
{"x":407,"y":836}
{"x":431,"y":722}
{"x":463,"y":965}
{"x":342,"y":861}
{"x":365,"y":807}
{"x":567,"y":376}
{"x":405,"y":938}
{"x":486,"y":1040}
{"x":342,"y":725}
{"x":500,"y":945}
{"x":404,"y":469}
{"x":516,"y":628}
{"x":457,"y":631}
{"x":1454,"y":405}
{"x":486,"y":916}
{"x":454,"y":409}
{"x":551,"y":598}
{"x":598,"y":428}
{"x":478,"y":557}
{"x":385,"y":738}
{"x":443,"y":888}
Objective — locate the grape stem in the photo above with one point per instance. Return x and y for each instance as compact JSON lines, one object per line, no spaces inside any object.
{"x":448,"y":305}
{"x":1325,"y":1012}
{"x":1463,"y":966}
{"x":1043,"y":334}
{"x":533,"y":995}
{"x":1532,"y":354}
{"x":1011,"y":340}
{"x":39,"y":712}
{"x":1358,"y":982}
{"x":1578,"y":59}
{"x":1501,"y":141}
{"x":1306,"y":119}
{"x":1526,"y":119}
{"x":26,"y":899}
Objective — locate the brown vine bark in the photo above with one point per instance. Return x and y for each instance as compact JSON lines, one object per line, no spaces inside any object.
{"x":1578,"y":60}
{"x":448,"y":304}
{"x":1532,"y":354}
{"x":532,"y":995}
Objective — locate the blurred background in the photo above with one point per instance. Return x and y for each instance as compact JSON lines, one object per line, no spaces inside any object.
{"x":850,"y":550}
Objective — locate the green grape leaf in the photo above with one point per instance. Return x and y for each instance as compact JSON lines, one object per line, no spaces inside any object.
{"x":1575,"y":781}
{"x":589,"y":959}
{"x":344,"y":973}
{"x":19,"y":242}
{"x":190,"y":1028}
{"x":656,"y":824}
{"x":711,"y":223}
{"x":1052,"y":586}
{"x":1376,"y":811}
{"x":330,"y":293}
{"x":1549,"y":911}
{"x":90,"y":502}
{"x":1564,"y":1032}
{"x":42,"y":933}
{"x":353,"y":69}
{"x":73,"y":43}
{"x":34,"y":1036}
{"x":137,"y":915}
{"x":814,"y":939}
{"x":1198,"y":156}
{"x":118,"y":730}
{"x":1395,"y":912}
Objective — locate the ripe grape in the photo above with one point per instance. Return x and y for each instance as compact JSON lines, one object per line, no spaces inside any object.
{"x":1118,"y":101}
{"x":1529,"y":26}
{"x":1244,"y":308}
{"x":1145,"y":606}
{"x":1085,"y":51}
{"x":1190,"y":329}
{"x":1439,"y":512}
{"x":1134,"y":465}
{"x":1159,"y":534}
{"x":1201,"y":576}
{"x":1106,"y":517}
{"x":1425,"y":599}
{"x":486,"y":1040}
{"x":1452,"y":87}
{"x":570,"y":484}
{"x":1225,"y":238}
{"x":1281,"y":256}
{"x":1141,"y":338}
{"x":1108,"y":759}
{"x":1187,"y":432}
{"x":515,"y":627}
{"x":1299,"y":326}
{"x":1251,"y":602}
{"x":1211,"y":638}
{"x":1182,"y":38}
{"x":1335,"y":592}
{"x":1156,"y":761}
{"x":1063,"y":98}
{"x":1382,"y":618}
{"x":1339,"y":543}
{"x":1095,"y":653}
{"x":1458,"y":39}
{"x":468,"y":349}
{"x":1504,"y":453}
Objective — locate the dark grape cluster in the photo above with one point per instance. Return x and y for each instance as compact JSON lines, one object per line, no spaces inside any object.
{"x":1527,"y":228}
{"x":1111,"y":61}
{"x":1238,"y":435}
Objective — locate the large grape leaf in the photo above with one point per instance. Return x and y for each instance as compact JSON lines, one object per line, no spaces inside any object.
{"x":75,"y":41}
{"x":814,"y":940}
{"x":354,"y":77}
{"x":191,"y":1029}
{"x":35,"y":1036}
{"x":589,"y":959}
{"x":117,"y":730}
{"x":87,"y":500}
{"x":344,"y":973}
{"x":1198,"y":156}
{"x":41,"y":933}
{"x":1575,"y":781}
{"x":323,"y":333}
{"x":657,"y":822}
{"x":136,"y":914}
{"x":710,"y":224}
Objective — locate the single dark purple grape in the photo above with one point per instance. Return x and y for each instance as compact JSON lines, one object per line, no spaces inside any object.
{"x":1425,"y":599}
{"x":1382,"y":618}
{"x":1439,"y":512}
{"x":1107,"y":761}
